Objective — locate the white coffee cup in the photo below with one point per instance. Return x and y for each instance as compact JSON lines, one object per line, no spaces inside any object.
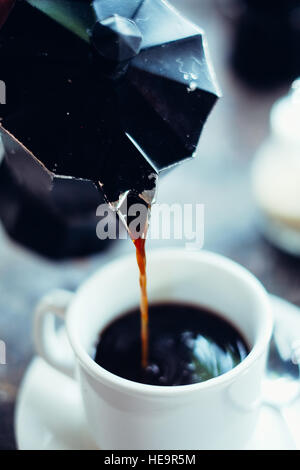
{"x":220,"y":413}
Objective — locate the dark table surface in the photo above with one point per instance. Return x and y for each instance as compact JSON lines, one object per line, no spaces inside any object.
{"x":219,"y":178}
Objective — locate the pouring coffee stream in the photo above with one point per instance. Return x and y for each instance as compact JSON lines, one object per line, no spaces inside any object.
{"x":138,"y":231}
{"x":141,"y":260}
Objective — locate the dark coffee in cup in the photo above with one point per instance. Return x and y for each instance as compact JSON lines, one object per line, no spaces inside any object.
{"x":187,"y":344}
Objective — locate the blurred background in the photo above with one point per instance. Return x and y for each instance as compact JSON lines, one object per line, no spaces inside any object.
{"x":254,"y":50}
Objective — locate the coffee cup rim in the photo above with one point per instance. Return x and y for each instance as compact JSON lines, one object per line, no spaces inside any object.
{"x":111,"y":380}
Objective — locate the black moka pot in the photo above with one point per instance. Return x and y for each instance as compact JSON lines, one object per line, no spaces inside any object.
{"x":101,"y":96}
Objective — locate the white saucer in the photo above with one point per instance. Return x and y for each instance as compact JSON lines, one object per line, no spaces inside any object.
{"x":49,"y":413}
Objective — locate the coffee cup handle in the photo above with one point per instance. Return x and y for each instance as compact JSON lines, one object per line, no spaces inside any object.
{"x":50,"y":343}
